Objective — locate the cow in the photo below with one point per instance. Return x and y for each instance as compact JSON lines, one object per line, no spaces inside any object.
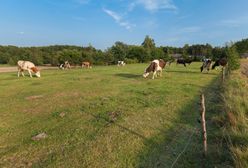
{"x":206,"y":64}
{"x":156,"y":66}
{"x":86,"y":64}
{"x":65,"y":65}
{"x":28,"y":66}
{"x":184,"y":61}
{"x":121,"y":63}
{"x":220,"y":62}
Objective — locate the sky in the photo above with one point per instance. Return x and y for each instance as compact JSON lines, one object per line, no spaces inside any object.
{"x":101,"y":23}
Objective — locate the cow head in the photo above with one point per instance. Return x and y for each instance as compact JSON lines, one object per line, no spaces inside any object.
{"x":38,"y":74}
{"x":36,"y":71}
{"x":149,"y":69}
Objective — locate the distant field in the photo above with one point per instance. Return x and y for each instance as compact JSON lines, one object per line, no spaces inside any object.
{"x":5,"y":65}
{"x":112,"y":118}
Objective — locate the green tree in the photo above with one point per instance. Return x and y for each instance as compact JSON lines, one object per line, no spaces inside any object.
{"x":157,"y":53}
{"x":233,"y":58}
{"x":119,"y":51}
{"x":139,"y":53}
{"x":148,"y":43}
{"x":185,"y":53}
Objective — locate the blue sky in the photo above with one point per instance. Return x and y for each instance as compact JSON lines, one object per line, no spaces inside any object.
{"x":103,"y":22}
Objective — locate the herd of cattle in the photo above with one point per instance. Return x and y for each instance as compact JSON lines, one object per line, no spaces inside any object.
{"x":156,"y":66}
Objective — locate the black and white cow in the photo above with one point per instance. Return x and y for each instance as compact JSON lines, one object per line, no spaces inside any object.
{"x":220,"y":62}
{"x":206,"y":64}
{"x":156,"y":66}
{"x":66,"y":65}
{"x":121,"y":63}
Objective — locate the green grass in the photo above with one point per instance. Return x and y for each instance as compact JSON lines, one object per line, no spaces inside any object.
{"x":236,"y":107}
{"x":152,"y":123}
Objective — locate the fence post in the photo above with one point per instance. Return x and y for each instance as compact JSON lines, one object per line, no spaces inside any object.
{"x":223,"y":74}
{"x":204,"y":130}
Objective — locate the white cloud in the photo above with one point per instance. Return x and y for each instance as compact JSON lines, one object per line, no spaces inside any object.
{"x":192,"y":29}
{"x":230,"y":23}
{"x":234,"y":23}
{"x":118,"y":19}
{"x":154,"y":5}
{"x":114,"y":15}
{"x":20,"y":33}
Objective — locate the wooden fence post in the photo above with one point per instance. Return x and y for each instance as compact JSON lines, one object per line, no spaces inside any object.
{"x":223,"y":73}
{"x":204,"y":130}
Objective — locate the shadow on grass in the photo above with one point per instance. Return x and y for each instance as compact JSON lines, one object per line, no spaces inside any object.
{"x":162,"y":149}
{"x":129,"y":75}
{"x":191,"y":72}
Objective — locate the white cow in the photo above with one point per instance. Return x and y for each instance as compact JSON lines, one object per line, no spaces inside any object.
{"x":156,"y":66}
{"x":29,"y":66}
{"x":121,"y":63}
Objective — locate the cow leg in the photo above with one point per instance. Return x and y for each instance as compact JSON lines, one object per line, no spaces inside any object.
{"x":160,"y":73}
{"x":23,"y":74}
{"x":30,"y":73}
{"x":184,"y":65}
{"x":154,"y":74}
{"x":18,"y":73}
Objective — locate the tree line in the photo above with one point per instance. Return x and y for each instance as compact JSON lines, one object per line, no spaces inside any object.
{"x":145,"y":52}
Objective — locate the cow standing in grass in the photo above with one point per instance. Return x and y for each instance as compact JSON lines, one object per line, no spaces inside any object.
{"x":220,"y":62}
{"x":86,"y":64}
{"x":184,"y":61}
{"x":28,"y":66}
{"x":156,"y":67}
{"x":66,"y":65}
{"x":121,"y":63}
{"x":206,"y":64}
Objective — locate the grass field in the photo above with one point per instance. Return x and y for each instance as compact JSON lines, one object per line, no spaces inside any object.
{"x":236,"y":107}
{"x":112,"y":118}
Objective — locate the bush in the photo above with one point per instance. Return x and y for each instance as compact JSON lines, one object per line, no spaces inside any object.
{"x":233,"y":58}
{"x":12,"y":61}
{"x":131,"y":61}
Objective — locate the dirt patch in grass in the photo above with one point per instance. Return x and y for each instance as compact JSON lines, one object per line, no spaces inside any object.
{"x":34,"y":97}
{"x":39,"y":136}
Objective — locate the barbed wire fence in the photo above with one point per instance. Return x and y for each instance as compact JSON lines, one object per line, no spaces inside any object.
{"x":195,"y":130}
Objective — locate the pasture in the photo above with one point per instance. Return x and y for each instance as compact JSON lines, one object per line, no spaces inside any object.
{"x":109,"y":116}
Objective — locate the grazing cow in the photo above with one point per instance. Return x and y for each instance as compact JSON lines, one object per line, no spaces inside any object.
{"x":220,"y":62}
{"x":184,"y":61}
{"x":66,"y":65}
{"x":86,"y":64}
{"x":28,"y":66}
{"x":121,"y":63}
{"x":156,"y":66}
{"x":206,"y":65}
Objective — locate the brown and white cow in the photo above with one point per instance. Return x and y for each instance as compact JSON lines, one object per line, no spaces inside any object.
{"x":156,"y":67}
{"x":86,"y":64}
{"x":28,"y":66}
